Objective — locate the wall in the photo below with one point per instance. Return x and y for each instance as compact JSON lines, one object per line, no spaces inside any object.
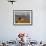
{"x":38,"y":30}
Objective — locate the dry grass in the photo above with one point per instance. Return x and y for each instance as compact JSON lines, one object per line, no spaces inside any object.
{"x":22,"y":20}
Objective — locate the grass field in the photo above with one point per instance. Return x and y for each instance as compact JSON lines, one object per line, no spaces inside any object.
{"x":22,"y":20}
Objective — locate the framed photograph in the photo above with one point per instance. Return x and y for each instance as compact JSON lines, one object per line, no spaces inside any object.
{"x":22,"y":17}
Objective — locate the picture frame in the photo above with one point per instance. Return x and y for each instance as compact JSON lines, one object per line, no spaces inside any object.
{"x":22,"y":17}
